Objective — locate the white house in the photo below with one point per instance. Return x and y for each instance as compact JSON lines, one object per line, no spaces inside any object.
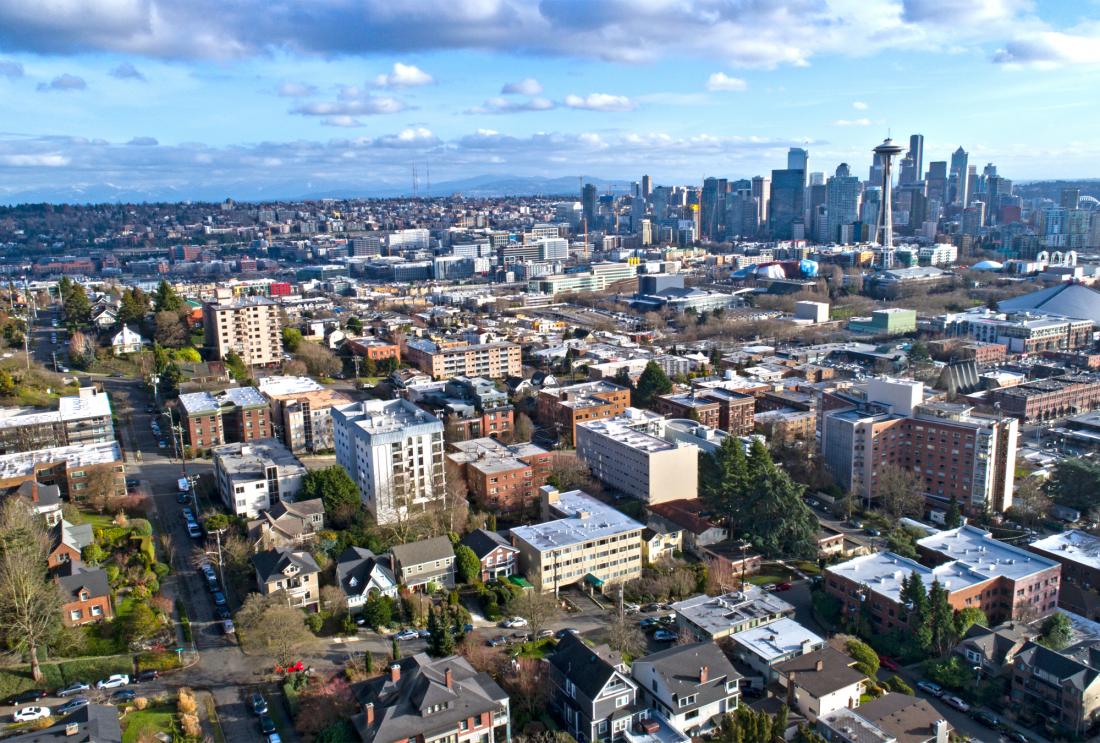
{"x":361,"y":574}
{"x":821,"y":682}
{"x":126,"y":341}
{"x":692,"y":686}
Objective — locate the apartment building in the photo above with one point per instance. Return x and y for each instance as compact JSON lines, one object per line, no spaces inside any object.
{"x":84,"y":418}
{"x":1057,"y":688}
{"x":253,"y":476}
{"x":238,"y":414}
{"x":581,"y":540}
{"x":735,"y":409}
{"x":1047,"y":399}
{"x":394,"y":452}
{"x":470,"y":407}
{"x":629,"y":454}
{"x":690,"y":407}
{"x":443,"y":361}
{"x":301,"y":411}
{"x":75,"y":470}
{"x":1019,"y":332}
{"x":1078,"y":552}
{"x":564,"y":407}
{"x":956,"y":453}
{"x":503,"y":478}
{"x":1004,"y":581}
{"x":247,"y":326}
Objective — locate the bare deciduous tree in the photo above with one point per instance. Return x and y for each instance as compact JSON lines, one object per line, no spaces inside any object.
{"x":901,"y":492}
{"x":539,"y":609}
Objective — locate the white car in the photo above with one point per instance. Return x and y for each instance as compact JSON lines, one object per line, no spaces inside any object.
{"x":953,"y":701}
{"x":514,"y":623}
{"x":113,"y":681}
{"x":30,"y":714}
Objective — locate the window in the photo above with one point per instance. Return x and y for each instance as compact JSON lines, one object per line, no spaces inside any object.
{"x":97,"y":611}
{"x":622,"y":701}
{"x":75,"y":614}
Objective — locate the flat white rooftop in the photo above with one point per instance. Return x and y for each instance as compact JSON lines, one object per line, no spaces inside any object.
{"x":717,"y":614}
{"x":22,"y":464}
{"x":980,"y":552}
{"x":1072,"y":546}
{"x":88,"y":404}
{"x":281,"y":385}
{"x":584,"y":519}
{"x":777,"y":640}
{"x":386,"y":416}
{"x":621,"y":431}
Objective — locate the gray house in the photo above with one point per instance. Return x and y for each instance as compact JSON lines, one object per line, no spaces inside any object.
{"x":419,"y":564}
{"x":592,"y":693}
{"x":692,"y":686}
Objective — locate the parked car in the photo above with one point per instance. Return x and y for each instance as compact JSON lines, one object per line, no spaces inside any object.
{"x":647,"y":608}
{"x":148,"y":675}
{"x":162,"y":444}
{"x":219,"y":598}
{"x":26,"y":697}
{"x":497,"y":641}
{"x":663,"y":635}
{"x":1015,"y":736}
{"x":542,"y":634}
{"x":648,"y":622}
{"x":194,"y":530}
{"x":873,"y":531}
{"x":986,"y":718}
{"x":929,"y":687}
{"x":75,"y":687}
{"x":30,"y":714}
{"x":631,"y":607}
{"x":888,"y":663}
{"x":258,"y":704}
{"x":953,"y":701}
{"x":273,"y":738}
{"x":423,"y":634}
{"x":73,"y":705}
{"x":514,"y":623}
{"x":228,"y":627}
{"x":769,"y":587}
{"x":784,"y":586}
{"x":183,"y":498}
{"x":124,"y":695}
{"x":222,"y":612}
{"x":188,"y":514}
{"x":267,"y":725}
{"x":131,"y":482}
{"x":113,"y":681}
{"x":407,"y":634}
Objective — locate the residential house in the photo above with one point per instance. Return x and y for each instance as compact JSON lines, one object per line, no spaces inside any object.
{"x":361,"y":574}
{"x":428,"y":561}
{"x":715,"y":617}
{"x":692,"y":686}
{"x":496,"y":555}
{"x":85,"y":594}
{"x":438,"y":699}
{"x":44,"y":500}
{"x":287,"y":524}
{"x":94,"y":723}
{"x":821,"y":682}
{"x":67,"y":540}
{"x":293,"y":571}
{"x":126,"y":341}
{"x":1054,"y":687}
{"x":764,"y":647}
{"x":683,"y":514}
{"x":104,"y":316}
{"x":591,"y":692}
{"x":892,"y":718}
{"x":993,"y":650}
{"x":661,"y":545}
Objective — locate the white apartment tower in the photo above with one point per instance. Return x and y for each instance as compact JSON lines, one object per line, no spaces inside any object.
{"x":394,"y":452}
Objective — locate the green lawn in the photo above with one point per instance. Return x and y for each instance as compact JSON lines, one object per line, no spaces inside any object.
{"x":537,"y":649}
{"x":770,"y":572}
{"x":149,"y":721}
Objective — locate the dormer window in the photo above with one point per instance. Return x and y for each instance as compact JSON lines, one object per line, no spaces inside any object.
{"x":353,"y":581}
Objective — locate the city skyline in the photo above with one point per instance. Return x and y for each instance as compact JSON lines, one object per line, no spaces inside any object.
{"x":281,"y":101}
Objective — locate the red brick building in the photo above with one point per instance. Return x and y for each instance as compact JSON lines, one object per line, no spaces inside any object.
{"x":565,"y":407}
{"x":1046,"y":399}
{"x":504,"y":479}
{"x":238,"y":414}
{"x":692,"y":407}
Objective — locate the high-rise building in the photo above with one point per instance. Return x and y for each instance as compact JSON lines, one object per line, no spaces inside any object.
{"x":762,"y":192}
{"x":393,"y":450}
{"x":916,"y":154}
{"x":798,"y":159}
{"x":842,"y":202}
{"x":712,"y":207}
{"x":1070,"y":198}
{"x":589,"y":207}
{"x":787,"y":204}
{"x":247,"y":326}
{"x":958,"y":178}
{"x":973,"y":217}
{"x":935,"y":187}
{"x":874,"y":175}
{"x":647,"y":187}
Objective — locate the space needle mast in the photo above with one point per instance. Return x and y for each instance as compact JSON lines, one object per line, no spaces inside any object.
{"x":886,"y":152}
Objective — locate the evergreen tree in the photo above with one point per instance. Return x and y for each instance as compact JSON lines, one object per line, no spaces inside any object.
{"x":446,"y":632}
{"x":953,"y":518}
{"x":395,"y":649}
{"x":652,"y":383}
{"x":133,"y":307}
{"x":941,"y":618}
{"x":75,"y":306}
{"x":723,"y":475}
{"x":166,"y":299}
{"x":433,"y":635}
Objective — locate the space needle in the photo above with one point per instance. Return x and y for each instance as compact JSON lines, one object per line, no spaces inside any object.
{"x":886,"y":152}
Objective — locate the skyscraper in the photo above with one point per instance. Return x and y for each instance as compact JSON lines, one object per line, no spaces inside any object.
{"x":787,"y":203}
{"x":762,"y":192}
{"x":842,"y":202}
{"x":798,"y":159}
{"x":958,"y":181}
{"x":874,"y":175}
{"x":713,"y":207}
{"x":588,"y":204}
{"x":647,"y":187}
{"x":935,"y":187}
{"x":1070,"y":198}
{"x":916,"y":153}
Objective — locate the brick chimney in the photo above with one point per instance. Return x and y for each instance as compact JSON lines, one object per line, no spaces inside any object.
{"x":819,"y":665}
{"x":368,"y":710}
{"x":704,"y":674}
{"x":395,"y":672}
{"x":447,"y":678}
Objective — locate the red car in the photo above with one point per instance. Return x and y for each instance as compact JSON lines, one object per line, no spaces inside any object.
{"x":784,"y":586}
{"x":888,"y":663}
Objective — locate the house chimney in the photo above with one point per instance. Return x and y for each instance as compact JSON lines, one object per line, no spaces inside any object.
{"x":819,"y":665}
{"x":447,"y":678}
{"x":395,"y":672}
{"x":368,"y":710}
{"x":939,"y":727}
{"x":704,"y":673}
{"x":72,"y":728}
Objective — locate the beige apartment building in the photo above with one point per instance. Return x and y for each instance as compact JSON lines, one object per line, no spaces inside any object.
{"x":249,"y":326}
{"x":581,"y":540}
{"x":443,"y":361}
{"x":301,"y":411}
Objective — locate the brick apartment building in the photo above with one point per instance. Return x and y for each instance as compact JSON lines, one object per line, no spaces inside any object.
{"x":300,"y":411}
{"x":503,"y":479}
{"x":373,"y":349}
{"x":1004,"y":581}
{"x":564,"y":407}
{"x":443,"y":361}
{"x":1047,"y":399}
{"x":239,"y":414}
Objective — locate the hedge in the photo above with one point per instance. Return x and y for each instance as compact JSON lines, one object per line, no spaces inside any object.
{"x":164,"y":661}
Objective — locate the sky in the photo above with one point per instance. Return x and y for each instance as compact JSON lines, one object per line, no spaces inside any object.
{"x":254,"y":98}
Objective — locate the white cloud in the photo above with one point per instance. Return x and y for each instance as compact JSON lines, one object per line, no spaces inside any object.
{"x":720,"y":81}
{"x":852,"y":122}
{"x":290,"y":89}
{"x":404,"y":76}
{"x":342,"y":120}
{"x":526,"y":86}
{"x":1053,"y":49}
{"x":859,"y":105}
{"x":64,"y":82}
{"x":500,"y":105}
{"x":350,"y":105}
{"x":51,"y":160}
{"x":600,"y":102}
{"x":127,"y":71}
{"x":143,"y":142}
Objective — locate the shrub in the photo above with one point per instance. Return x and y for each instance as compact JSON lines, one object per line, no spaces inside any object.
{"x":158,"y":661}
{"x":190,"y":724}
{"x":140,"y":703}
{"x":895,"y":683}
{"x":185,"y":701}
{"x":142,"y":527}
{"x":315,"y":622}
{"x":160,"y":570}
